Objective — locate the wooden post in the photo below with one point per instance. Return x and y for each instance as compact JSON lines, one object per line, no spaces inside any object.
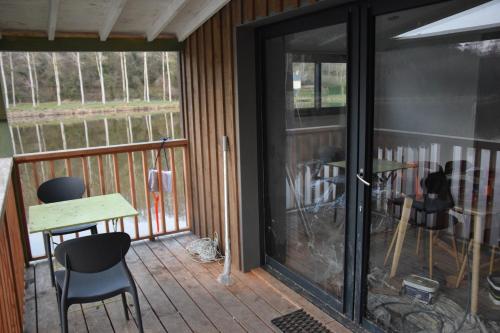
{"x":476,"y":259}
{"x":162,"y":194}
{"x":133,"y":196}
{"x":117,"y":183}
{"x":86,"y":179}
{"x":187,"y":185}
{"x":146,"y":193}
{"x":403,"y":224}
{"x":174,"y":187}
{"x":102,"y":183}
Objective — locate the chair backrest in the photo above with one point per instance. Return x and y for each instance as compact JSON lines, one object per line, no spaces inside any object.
{"x":61,"y":189}
{"x":95,"y":253}
{"x":437,"y":183}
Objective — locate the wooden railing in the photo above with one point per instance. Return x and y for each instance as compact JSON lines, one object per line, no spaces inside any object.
{"x":11,"y":266}
{"x":104,"y":170}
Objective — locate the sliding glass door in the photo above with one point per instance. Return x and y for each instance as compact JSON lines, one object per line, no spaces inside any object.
{"x":434,"y":223}
{"x":306,"y":72}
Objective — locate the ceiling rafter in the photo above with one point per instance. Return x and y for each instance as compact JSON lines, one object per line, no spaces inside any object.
{"x":114,"y":11}
{"x":199,"y":18}
{"x":53,"y":11}
{"x":166,"y":16}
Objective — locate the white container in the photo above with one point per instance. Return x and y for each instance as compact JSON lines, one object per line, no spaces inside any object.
{"x":420,"y":288}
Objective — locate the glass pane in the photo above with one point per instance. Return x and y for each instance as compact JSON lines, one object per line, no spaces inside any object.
{"x":305,"y":160}
{"x":333,"y":84}
{"x":303,"y":85}
{"x":436,"y":146}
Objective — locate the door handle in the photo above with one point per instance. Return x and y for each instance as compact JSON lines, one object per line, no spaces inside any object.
{"x":361,"y":179}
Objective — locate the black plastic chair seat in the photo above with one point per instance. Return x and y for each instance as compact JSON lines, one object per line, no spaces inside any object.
{"x":72,"y":230}
{"x":91,"y":287}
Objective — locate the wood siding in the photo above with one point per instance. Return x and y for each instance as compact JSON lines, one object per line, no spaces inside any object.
{"x":208,"y":72}
{"x":11,"y":267}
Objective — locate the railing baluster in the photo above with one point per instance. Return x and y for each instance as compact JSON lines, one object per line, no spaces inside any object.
{"x":174,"y":188}
{"x":52,"y":169}
{"x":102,"y":183}
{"x":146,"y":191}
{"x":117,"y":182}
{"x":36,"y":178}
{"x":51,"y":160}
{"x":69,"y":171}
{"x":86,"y":179}
{"x":187,"y":186}
{"x":131,"y":177}
{"x":162,"y":194}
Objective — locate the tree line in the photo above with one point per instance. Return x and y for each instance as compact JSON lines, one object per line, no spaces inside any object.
{"x":44,"y":77}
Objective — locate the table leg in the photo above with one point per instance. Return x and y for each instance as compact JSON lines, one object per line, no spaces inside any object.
{"x":476,"y":261}
{"x":403,"y":224}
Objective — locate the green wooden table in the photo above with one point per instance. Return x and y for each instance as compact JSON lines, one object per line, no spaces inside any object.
{"x":379,"y":166}
{"x":69,"y":213}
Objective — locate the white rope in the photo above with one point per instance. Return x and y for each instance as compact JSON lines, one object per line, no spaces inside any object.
{"x":205,"y":250}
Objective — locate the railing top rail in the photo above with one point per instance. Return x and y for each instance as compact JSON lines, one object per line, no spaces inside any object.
{"x":94,"y":151}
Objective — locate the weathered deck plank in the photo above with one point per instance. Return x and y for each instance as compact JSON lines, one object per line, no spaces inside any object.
{"x":176,"y":294}
{"x":223,"y":295}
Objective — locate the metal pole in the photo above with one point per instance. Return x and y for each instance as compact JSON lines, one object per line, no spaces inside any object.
{"x":225,"y":277}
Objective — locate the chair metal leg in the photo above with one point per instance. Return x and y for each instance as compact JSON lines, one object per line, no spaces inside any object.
{"x":48,"y":250}
{"x":125,"y":307}
{"x":137,"y":308}
{"x":64,"y":317}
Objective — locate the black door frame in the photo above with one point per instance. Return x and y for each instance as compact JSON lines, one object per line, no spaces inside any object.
{"x":248,"y":41}
{"x":339,"y":14}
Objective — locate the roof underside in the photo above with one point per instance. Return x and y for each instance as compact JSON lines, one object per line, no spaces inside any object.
{"x":103,"y":19}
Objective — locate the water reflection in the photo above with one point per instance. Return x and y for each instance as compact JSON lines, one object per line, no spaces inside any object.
{"x":69,"y":133}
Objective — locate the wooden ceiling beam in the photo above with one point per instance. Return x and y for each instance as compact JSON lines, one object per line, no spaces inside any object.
{"x":53,"y":11}
{"x":114,"y":12}
{"x":165,"y":17}
{"x":195,"y":21}
{"x":77,"y":34}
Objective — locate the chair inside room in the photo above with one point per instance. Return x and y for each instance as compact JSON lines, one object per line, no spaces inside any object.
{"x":56,"y":190}
{"x":431,"y":213}
{"x":95,"y":270}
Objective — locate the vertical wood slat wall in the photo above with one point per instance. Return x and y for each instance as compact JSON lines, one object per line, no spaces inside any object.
{"x":11,"y":267}
{"x":209,"y":99}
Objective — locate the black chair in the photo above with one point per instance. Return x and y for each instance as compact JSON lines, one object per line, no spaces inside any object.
{"x":435,"y":205}
{"x":62,"y":189}
{"x":433,"y":209}
{"x":95,"y":270}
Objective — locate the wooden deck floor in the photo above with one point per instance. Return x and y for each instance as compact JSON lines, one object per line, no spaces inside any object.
{"x":176,"y":295}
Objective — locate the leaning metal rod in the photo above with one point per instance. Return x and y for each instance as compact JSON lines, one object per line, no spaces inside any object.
{"x":225,"y":277}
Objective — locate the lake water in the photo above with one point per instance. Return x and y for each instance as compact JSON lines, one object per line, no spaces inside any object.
{"x":40,"y":134}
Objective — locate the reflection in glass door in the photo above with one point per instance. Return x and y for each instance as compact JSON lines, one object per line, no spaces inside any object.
{"x":433,"y":263}
{"x":305,"y":116}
